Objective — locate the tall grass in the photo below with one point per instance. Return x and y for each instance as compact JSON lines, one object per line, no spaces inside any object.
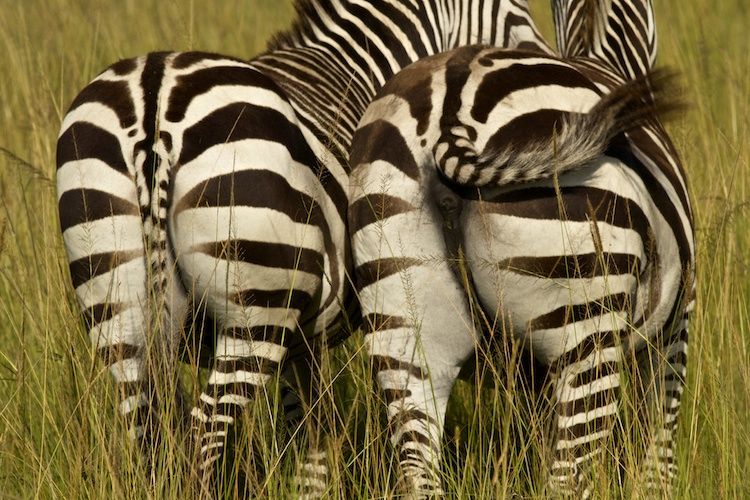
{"x":59,"y":435}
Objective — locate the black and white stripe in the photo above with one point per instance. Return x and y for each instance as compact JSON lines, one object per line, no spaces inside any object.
{"x":620,"y":32}
{"x":555,"y":185}
{"x":193,"y":179}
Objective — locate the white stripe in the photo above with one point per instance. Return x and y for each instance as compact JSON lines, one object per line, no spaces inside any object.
{"x":564,"y":444}
{"x":229,"y":348}
{"x":92,"y":173}
{"x":569,"y":394}
{"x":114,"y":233}
{"x":98,"y":114}
{"x":315,"y":469}
{"x":135,"y":432}
{"x":219,"y":378}
{"x":312,"y":482}
{"x":209,"y":224}
{"x":564,"y":422}
{"x":214,"y":434}
{"x":221,"y":418}
{"x":211,"y":446}
{"x":207,"y":399}
{"x":127,"y":370}
{"x":234,"y":399}
{"x":132,"y":402}
{"x":197,"y":413}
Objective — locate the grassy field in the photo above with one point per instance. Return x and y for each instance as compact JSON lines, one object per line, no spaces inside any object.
{"x":58,"y":433}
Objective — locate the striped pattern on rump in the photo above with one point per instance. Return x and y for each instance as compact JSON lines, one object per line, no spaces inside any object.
{"x":582,"y":265}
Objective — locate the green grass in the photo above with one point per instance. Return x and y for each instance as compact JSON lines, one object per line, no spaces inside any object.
{"x":58,"y":433}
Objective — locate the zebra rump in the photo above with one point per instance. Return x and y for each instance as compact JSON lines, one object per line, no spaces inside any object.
{"x":559,"y":143}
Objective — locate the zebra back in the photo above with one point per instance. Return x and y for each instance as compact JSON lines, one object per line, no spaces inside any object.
{"x":621,"y":33}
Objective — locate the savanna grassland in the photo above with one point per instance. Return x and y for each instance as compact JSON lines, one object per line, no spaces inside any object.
{"x":59,"y":435}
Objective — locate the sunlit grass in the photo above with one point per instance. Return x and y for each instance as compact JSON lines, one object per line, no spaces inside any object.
{"x":58,"y":433}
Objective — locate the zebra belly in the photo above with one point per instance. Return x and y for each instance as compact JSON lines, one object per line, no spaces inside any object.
{"x":559,"y":265}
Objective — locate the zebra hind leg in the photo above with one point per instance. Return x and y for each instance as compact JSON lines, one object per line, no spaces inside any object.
{"x":305,"y":412}
{"x":586,"y":406}
{"x":662,"y":370}
{"x":243,"y":366}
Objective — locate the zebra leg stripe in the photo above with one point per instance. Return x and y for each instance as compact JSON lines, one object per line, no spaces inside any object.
{"x":243,"y":366}
{"x":664,"y":376}
{"x":587,"y":402}
{"x":417,"y":319}
{"x":305,"y":412}
{"x":103,"y":233}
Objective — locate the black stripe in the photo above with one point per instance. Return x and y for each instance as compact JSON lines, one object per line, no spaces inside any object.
{"x":189,"y":86}
{"x":99,"y":313}
{"x":600,"y":370}
{"x":253,"y":188}
{"x":88,"y":205}
{"x":254,"y":364}
{"x":123,"y":67}
{"x":594,"y":342}
{"x":186,"y":59}
{"x":383,"y":363}
{"x":261,"y":253}
{"x":586,"y":265}
{"x":526,"y":129}
{"x":370,"y":272}
{"x":384,"y":142}
{"x":85,"y":268}
{"x":586,"y":428}
{"x":498,"y":85}
{"x":578,"y":312}
{"x":267,"y":333}
{"x":414,"y":85}
{"x":84,"y":140}
{"x":282,"y":299}
{"x":375,"y":322}
{"x":576,"y":202}
{"x":586,"y":404}
{"x":114,"y":95}
{"x":153,"y":72}
{"x":245,"y":389}
{"x":118,"y":352}
{"x":391,"y":395}
{"x":241,"y":120}
{"x":375,"y":207}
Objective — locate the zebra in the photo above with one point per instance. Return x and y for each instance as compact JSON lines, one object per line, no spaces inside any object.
{"x":546,"y":190}
{"x":193,"y":183}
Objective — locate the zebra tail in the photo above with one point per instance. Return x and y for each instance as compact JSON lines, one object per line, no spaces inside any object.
{"x":578,"y":138}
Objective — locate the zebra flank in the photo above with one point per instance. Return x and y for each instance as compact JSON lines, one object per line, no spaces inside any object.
{"x":547,"y":190}
{"x":194,"y":182}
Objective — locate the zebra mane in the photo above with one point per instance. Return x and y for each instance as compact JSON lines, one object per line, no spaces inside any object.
{"x":620,"y":33}
{"x":292,"y":36}
{"x":580,"y":137}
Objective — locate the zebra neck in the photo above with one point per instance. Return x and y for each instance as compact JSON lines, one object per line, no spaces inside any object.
{"x":339,"y":53}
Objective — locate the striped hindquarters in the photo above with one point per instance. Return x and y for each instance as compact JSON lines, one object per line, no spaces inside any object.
{"x":112,"y":188}
{"x":578,"y":236}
